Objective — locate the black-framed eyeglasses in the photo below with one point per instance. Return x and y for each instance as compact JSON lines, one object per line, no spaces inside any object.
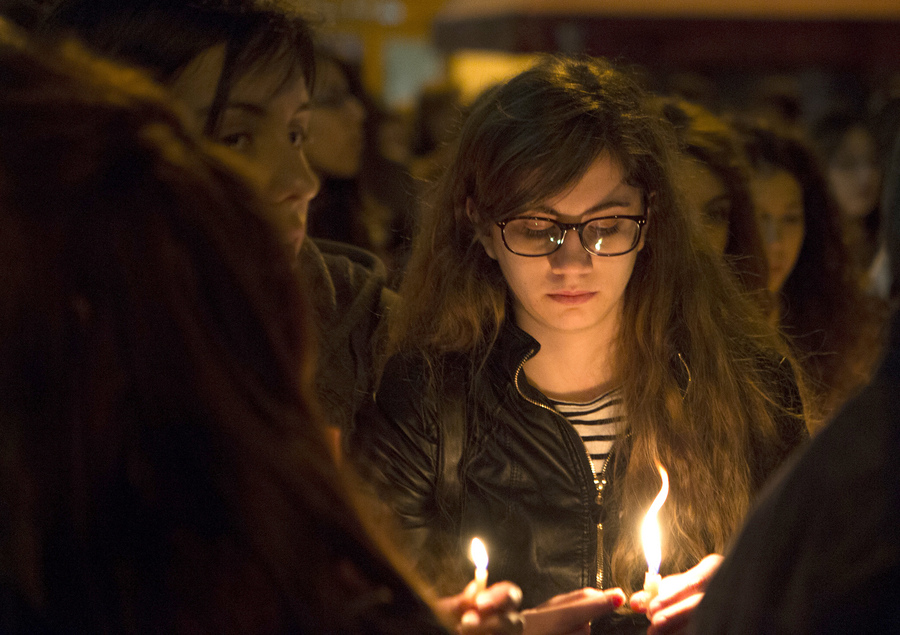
{"x":541,"y":236}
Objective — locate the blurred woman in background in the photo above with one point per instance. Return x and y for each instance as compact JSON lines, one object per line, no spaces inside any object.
{"x":716,"y":181}
{"x":818,"y":304}
{"x":245,"y":69}
{"x":849,"y":154}
{"x":365,"y":199}
{"x":334,"y":146}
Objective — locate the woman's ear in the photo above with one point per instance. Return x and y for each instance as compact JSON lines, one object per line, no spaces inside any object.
{"x":486,"y":240}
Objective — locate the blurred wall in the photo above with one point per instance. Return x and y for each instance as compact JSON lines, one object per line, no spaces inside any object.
{"x":390,"y":40}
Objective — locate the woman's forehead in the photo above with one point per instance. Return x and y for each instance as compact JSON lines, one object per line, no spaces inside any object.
{"x":196,"y":85}
{"x":270,"y":79}
{"x":330,"y":74}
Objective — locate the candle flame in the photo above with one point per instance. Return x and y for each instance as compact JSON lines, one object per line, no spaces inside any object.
{"x":650,"y":535}
{"x":478,"y":553}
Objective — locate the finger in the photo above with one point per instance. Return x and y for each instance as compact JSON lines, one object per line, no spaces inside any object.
{"x":470,"y":622}
{"x":707,"y":567}
{"x":449,"y":609}
{"x":564,"y":618}
{"x":470,"y":591}
{"x":674,"y":588}
{"x":638,"y":602}
{"x":675,"y":618}
{"x":571,"y":596}
{"x":493,"y":610}
{"x":501,"y":597}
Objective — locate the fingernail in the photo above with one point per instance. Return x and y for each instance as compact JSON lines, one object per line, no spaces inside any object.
{"x":469,"y":618}
{"x":618,"y":601}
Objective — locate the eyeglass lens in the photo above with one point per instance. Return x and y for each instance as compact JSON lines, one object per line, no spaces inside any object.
{"x":540,"y":236}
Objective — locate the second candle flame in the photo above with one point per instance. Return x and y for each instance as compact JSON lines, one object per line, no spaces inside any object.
{"x":478,"y":554}
{"x":650,"y":534}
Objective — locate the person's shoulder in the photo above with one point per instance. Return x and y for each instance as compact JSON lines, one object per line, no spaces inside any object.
{"x":341,"y":276}
{"x":415,"y":386}
{"x":349,"y":261}
{"x":404,"y":378}
{"x":420,"y":369}
{"x":829,"y":522}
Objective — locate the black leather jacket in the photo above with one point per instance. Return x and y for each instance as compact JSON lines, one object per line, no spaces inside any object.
{"x":527,"y":486}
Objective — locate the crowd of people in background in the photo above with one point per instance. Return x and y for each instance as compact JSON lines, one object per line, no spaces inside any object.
{"x":272,"y":354}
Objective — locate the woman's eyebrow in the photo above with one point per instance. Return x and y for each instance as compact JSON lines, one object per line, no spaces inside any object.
{"x":599,"y":207}
{"x":249,"y":108}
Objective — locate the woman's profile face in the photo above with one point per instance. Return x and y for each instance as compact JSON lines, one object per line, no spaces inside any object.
{"x":707,"y":196}
{"x":572,"y":291}
{"x":266,"y":122}
{"x":854,"y":174}
{"x":336,"y":135}
{"x":778,"y":199}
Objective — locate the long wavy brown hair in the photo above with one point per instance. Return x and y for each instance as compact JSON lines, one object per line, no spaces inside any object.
{"x":701,"y":372}
{"x":163,"y":466}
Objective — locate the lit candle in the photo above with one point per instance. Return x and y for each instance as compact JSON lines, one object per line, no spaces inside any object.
{"x":479,"y":556}
{"x":650,"y":538}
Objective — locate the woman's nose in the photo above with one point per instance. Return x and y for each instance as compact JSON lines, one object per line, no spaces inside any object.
{"x":771,"y":230}
{"x":354,"y":109}
{"x":293,"y":177}
{"x":571,"y":254}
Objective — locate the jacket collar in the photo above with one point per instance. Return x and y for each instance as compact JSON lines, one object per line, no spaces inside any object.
{"x":513,"y":346}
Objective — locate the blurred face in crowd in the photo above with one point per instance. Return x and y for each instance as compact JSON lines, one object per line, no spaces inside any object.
{"x":707,"y":195}
{"x":266,"y":120}
{"x":778,"y":198}
{"x":335,"y":142}
{"x":854,"y":174}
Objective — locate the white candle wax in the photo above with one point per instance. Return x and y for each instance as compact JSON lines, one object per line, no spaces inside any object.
{"x":480,"y":579}
{"x":651,"y":585}
{"x":478,"y":552}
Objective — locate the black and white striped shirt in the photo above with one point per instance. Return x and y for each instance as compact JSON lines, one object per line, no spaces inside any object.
{"x":596,"y":422}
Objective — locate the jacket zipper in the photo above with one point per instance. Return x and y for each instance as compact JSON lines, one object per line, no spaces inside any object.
{"x":599,"y":480}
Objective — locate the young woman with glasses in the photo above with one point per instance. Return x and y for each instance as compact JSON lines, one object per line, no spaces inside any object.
{"x":564,"y":327}
{"x":715,"y":177}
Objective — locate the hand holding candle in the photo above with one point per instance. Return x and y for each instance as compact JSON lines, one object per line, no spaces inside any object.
{"x":650,"y":538}
{"x":479,"y":556}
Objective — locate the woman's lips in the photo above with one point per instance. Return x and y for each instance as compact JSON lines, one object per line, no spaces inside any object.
{"x":572,"y":297}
